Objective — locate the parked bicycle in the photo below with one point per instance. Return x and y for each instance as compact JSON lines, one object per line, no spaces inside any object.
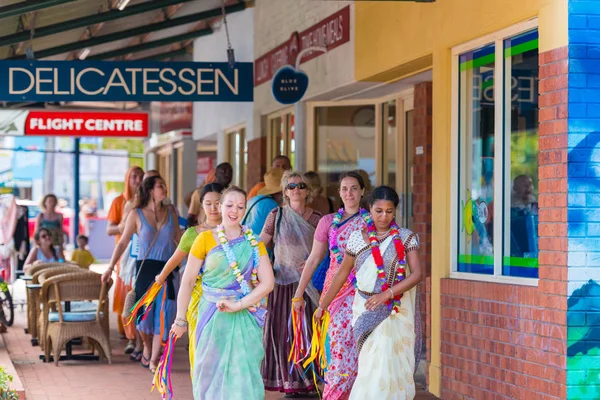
{"x":7,"y":309}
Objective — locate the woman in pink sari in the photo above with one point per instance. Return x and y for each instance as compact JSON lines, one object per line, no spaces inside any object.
{"x":332,"y":234}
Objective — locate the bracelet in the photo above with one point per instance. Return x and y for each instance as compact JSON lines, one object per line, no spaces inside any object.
{"x":322,"y":309}
{"x":297,"y":300}
{"x":180,"y":323}
{"x":241,"y":304}
{"x":392,"y":292}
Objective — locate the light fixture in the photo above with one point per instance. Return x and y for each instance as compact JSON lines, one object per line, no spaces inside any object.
{"x":122,"y":4}
{"x":86,"y":52}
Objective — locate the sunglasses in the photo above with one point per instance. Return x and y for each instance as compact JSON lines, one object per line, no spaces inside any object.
{"x":292,"y":186}
{"x":44,"y":236}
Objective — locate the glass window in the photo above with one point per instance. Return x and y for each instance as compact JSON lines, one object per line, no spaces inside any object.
{"x":390,"y":142}
{"x":281,"y":137}
{"x":238,"y":155}
{"x":521,"y":75}
{"x":514,"y":252}
{"x":345,"y":142}
{"x":476,"y":155}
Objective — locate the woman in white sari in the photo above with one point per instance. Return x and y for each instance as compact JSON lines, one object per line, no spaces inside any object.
{"x":384,"y":308}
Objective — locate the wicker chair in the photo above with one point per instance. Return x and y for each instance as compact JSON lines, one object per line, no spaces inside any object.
{"x":39,"y":278}
{"x":33,"y":291}
{"x":60,"y":327}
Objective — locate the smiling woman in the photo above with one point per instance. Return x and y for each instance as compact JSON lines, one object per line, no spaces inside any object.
{"x":236,"y":275}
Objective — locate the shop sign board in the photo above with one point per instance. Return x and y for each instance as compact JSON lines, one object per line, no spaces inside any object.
{"x":329,"y":33}
{"x":27,"y":80}
{"x":73,"y":123}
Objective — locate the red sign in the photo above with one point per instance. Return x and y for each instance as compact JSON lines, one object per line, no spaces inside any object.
{"x":95,"y":124}
{"x":330,"y":33}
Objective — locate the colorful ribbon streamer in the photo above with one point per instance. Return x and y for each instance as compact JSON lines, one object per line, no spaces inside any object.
{"x":318,"y":351}
{"x":146,"y":300}
{"x":299,"y":348}
{"x":162,"y":375}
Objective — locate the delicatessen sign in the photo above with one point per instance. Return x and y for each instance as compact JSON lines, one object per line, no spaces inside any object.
{"x":124,"y":81}
{"x":76,"y":124}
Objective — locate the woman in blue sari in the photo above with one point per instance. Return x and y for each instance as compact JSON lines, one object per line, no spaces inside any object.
{"x":236,"y":276}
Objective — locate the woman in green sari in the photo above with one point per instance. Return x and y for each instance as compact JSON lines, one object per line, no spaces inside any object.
{"x":236,"y":276}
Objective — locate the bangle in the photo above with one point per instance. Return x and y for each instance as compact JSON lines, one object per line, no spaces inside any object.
{"x":322,"y":309}
{"x":181,"y":323}
{"x":392,"y":292}
{"x":297,"y":299}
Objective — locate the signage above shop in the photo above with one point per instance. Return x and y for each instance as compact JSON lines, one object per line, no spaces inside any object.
{"x":27,"y":80}
{"x":73,"y":123}
{"x":329,"y":33}
{"x":289,"y":85}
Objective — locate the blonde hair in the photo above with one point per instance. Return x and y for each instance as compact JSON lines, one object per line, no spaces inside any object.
{"x":234,"y":189}
{"x":287,"y":175}
{"x":315,"y":183}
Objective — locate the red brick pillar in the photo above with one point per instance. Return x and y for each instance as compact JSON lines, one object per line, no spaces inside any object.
{"x":257,"y":155}
{"x":422,"y":190}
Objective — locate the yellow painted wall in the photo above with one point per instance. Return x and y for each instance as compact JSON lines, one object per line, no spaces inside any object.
{"x":396,"y":39}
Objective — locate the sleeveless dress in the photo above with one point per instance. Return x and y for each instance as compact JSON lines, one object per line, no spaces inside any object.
{"x":159,"y":320}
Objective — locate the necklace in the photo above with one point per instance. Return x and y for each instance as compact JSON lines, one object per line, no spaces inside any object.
{"x":208,"y":226}
{"x":393,"y":304}
{"x":233,"y":263}
{"x":335,"y":225}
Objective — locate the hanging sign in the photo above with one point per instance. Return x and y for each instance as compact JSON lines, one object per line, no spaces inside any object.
{"x":73,"y":123}
{"x":289,"y":85}
{"x":330,"y":33}
{"x":26,"y":80}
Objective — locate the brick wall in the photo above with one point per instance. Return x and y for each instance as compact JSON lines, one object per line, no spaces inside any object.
{"x":422,"y":189}
{"x":257,"y":155}
{"x":506,"y":341}
{"x":583,"y":333}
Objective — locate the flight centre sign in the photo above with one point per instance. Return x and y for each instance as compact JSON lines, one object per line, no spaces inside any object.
{"x":27,"y":80}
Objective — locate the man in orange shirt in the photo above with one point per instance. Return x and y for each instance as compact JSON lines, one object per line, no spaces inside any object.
{"x":280,"y":161}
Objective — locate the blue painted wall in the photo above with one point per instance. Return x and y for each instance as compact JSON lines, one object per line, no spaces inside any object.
{"x":583,"y":315}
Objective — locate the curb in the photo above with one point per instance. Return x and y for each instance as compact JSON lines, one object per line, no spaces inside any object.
{"x":8,"y":365}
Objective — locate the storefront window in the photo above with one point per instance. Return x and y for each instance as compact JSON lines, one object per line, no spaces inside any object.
{"x":390,"y":142}
{"x":521,"y":155}
{"x":281,"y":136}
{"x":508,"y":247}
{"x":238,"y":155}
{"x":345,"y":142}
{"x":476,"y":155}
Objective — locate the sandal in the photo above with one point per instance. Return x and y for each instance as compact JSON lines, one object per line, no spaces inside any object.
{"x":152,"y":367}
{"x":136,"y":356}
{"x":130,"y":347}
{"x":145,"y":362}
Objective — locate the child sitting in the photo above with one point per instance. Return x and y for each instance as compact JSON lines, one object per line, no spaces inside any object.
{"x":82,"y":255}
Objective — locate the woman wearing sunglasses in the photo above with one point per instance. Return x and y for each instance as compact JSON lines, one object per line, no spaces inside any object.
{"x":43,"y":251}
{"x":291,"y":229}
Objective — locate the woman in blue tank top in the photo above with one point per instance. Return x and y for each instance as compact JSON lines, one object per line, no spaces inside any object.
{"x":158,"y":235}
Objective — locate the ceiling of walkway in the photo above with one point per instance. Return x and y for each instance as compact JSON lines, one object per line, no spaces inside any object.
{"x":100,"y":30}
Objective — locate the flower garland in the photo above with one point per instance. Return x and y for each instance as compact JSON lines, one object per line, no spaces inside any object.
{"x":393,"y":304}
{"x":233,"y":264}
{"x":335,"y":225}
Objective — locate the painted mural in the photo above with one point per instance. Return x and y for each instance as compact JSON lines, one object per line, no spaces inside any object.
{"x":583,"y":315}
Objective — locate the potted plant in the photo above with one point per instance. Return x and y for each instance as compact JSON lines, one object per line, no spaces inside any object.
{"x":6,"y":393}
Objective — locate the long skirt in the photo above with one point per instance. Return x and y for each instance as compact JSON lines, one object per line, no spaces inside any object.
{"x":164,"y":308}
{"x":121,"y":291}
{"x":192,"y":318}
{"x":279,"y":374}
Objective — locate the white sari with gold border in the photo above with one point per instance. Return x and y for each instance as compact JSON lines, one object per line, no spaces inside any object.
{"x":386,"y":342}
